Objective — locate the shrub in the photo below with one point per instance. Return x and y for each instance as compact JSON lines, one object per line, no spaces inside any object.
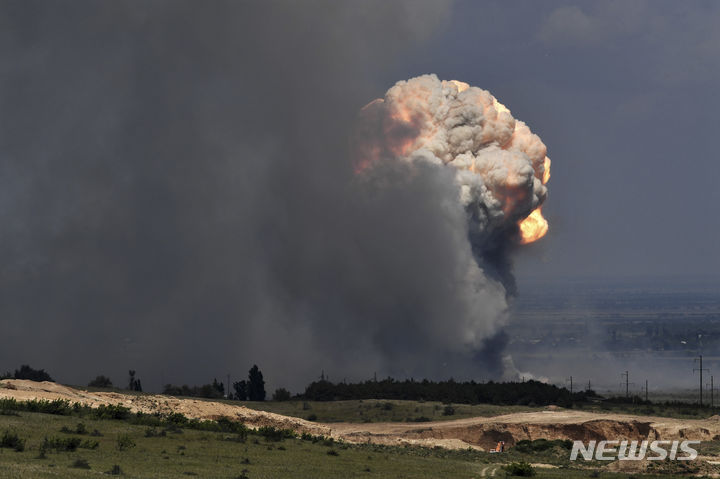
{"x":114,"y":471}
{"x":281,"y":394}
{"x":272,"y":434}
{"x":100,"y":382}
{"x":79,"y":429}
{"x":88,"y":444}
{"x":312,"y":417}
{"x":332,"y":452}
{"x":522,"y":469}
{"x":227,"y":425}
{"x":448,"y":410}
{"x":111,"y":411}
{"x":61,"y":444}
{"x":125,"y":442}
{"x":81,"y":464}
{"x":11,"y":440}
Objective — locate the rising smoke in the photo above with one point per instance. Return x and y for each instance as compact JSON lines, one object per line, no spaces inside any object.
{"x":498,"y":168}
{"x":179,"y":196}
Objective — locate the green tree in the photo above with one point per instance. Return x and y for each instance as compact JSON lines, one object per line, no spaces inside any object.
{"x":134,"y":384}
{"x":219,"y":387}
{"x":256,"y":384}
{"x":241,"y":390}
{"x":26,"y":372}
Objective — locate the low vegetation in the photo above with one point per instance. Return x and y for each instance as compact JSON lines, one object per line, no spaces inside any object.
{"x":57,"y":439}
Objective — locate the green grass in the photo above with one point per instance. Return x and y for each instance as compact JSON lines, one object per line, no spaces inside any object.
{"x":677,"y":411}
{"x":157,"y":452}
{"x":376,"y":410}
{"x":208,"y":454}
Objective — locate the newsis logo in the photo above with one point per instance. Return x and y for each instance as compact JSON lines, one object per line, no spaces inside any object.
{"x":632,"y":451}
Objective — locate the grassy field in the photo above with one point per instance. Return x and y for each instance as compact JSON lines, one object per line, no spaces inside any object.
{"x":374,"y":410}
{"x":116,"y":446}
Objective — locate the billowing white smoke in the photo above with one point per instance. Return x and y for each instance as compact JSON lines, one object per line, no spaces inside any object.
{"x":499,"y":168}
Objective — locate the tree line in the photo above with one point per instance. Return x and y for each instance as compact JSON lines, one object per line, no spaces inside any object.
{"x":252,"y":389}
{"x":450,"y":391}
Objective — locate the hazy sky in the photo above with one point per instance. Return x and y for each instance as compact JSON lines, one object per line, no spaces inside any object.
{"x":624,"y":94}
{"x":173,"y":174}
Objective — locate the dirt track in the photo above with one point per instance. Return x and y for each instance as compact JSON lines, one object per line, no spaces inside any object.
{"x":479,"y":432}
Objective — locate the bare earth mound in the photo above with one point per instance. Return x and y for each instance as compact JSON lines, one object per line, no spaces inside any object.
{"x":479,"y":432}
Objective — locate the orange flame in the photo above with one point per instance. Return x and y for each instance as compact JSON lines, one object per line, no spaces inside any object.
{"x":535,"y":226}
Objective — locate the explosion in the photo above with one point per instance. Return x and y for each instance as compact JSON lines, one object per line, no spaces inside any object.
{"x":501,"y":167}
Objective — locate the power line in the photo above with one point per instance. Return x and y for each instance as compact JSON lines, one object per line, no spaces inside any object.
{"x":712,"y":392}
{"x":701,"y":369}
{"x":627,"y":383}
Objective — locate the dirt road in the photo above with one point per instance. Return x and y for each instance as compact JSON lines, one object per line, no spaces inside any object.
{"x":478,"y":432}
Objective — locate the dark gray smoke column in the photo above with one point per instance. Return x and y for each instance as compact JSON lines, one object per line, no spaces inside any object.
{"x":498,"y":168}
{"x":178,"y":196}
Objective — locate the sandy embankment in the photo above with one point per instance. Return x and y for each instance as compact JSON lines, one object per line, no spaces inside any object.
{"x":479,"y":432}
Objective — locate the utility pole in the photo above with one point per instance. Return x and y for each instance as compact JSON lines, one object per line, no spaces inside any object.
{"x":701,"y":369}
{"x":227,"y":387}
{"x":646,"y":390}
{"x":627,"y":383}
{"x":712,"y":393}
{"x":571,"y":384}
{"x":589,"y":386}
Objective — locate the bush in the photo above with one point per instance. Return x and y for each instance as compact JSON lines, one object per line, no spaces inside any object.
{"x":79,"y":429}
{"x":115,"y":471}
{"x":62,"y":444}
{"x":312,"y":417}
{"x":276,"y":435}
{"x":11,"y":440}
{"x":281,"y":394}
{"x":448,"y":411}
{"x":88,"y":444}
{"x":81,"y":464}
{"x":100,"y":382}
{"x":227,"y":425}
{"x":111,"y":411}
{"x":125,"y":442}
{"x":522,"y":469}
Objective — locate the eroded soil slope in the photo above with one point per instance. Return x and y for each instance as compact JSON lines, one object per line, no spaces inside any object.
{"x":480,"y":432}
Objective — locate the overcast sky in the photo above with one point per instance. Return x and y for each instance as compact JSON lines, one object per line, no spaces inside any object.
{"x":165,"y":166}
{"x":624,"y":94}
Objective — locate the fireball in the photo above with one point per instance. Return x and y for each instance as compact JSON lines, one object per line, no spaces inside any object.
{"x":501,"y":167}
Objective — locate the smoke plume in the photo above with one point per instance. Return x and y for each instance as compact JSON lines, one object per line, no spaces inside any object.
{"x":179,"y":195}
{"x":495,"y":169}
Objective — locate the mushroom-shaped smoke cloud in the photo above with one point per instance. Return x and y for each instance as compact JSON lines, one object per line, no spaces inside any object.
{"x":499,"y":168}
